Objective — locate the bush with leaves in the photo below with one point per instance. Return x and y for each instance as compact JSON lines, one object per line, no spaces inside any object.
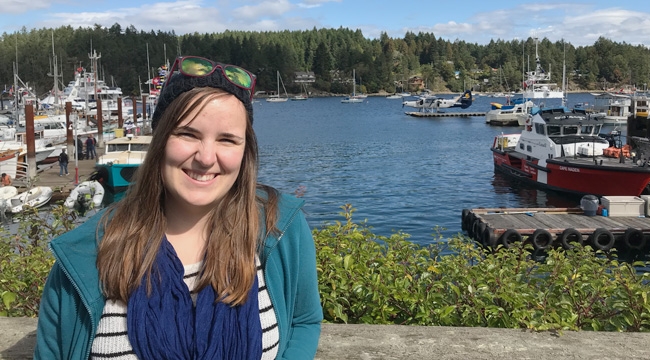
{"x":371,"y":279}
{"x":26,"y":260}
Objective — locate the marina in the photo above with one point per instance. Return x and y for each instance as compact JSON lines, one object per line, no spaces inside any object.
{"x":400,"y":172}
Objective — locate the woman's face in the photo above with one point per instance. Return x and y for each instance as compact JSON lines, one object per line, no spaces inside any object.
{"x":204,"y":154}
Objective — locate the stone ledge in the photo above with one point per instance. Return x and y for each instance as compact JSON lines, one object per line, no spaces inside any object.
{"x":370,"y":342}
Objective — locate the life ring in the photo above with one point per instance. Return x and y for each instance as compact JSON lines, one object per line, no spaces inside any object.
{"x":634,"y":239}
{"x":569,"y":237}
{"x":509,"y":237}
{"x":541,"y":239}
{"x":463,"y":225}
{"x":602,"y":239}
{"x":489,"y":238}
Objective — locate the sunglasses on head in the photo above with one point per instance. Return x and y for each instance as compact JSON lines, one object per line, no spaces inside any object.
{"x":195,"y":66}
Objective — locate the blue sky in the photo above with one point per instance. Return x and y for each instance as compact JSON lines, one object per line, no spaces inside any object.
{"x":578,"y":22}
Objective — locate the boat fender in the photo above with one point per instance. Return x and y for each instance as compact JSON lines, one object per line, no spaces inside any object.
{"x":602,"y":239}
{"x":489,"y":239}
{"x":509,"y":237}
{"x":569,"y":237}
{"x":541,"y":239}
{"x":634,"y":239}
{"x":463,"y":223}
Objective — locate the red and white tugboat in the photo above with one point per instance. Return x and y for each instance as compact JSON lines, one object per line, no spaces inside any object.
{"x":560,"y":149}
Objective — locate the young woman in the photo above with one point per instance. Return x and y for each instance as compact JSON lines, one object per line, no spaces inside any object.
{"x":197,"y":261}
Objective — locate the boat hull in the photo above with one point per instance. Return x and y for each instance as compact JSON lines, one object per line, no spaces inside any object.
{"x":577,"y":176}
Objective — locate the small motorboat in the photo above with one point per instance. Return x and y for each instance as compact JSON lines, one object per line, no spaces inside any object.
{"x":85,"y":193}
{"x":6,"y":192}
{"x":34,"y":197}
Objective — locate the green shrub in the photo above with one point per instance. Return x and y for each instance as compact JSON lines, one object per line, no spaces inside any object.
{"x":371,"y":279}
{"x":366,"y":278}
{"x":26,"y":259}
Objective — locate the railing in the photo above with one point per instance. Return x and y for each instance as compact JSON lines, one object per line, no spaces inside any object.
{"x":22,"y":178}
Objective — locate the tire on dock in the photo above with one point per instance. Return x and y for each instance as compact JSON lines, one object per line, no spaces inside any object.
{"x":634,"y":239}
{"x":602,"y":239}
{"x":469,"y":221}
{"x":463,"y":222}
{"x":541,"y":239}
{"x":489,"y":238}
{"x":509,"y":237}
{"x":570,"y":238}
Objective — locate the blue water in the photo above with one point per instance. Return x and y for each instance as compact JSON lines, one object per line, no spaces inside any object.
{"x":401,"y":173}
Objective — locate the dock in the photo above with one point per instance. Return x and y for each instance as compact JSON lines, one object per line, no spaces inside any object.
{"x":553,"y":227}
{"x":48,"y":175}
{"x":444,"y":114}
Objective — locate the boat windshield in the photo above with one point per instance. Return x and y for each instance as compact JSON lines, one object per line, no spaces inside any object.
{"x":586,"y":129}
{"x":570,"y":130}
{"x":127,"y":147}
{"x":552,"y":130}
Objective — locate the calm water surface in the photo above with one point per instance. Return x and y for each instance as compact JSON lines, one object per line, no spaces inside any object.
{"x":401,"y":173}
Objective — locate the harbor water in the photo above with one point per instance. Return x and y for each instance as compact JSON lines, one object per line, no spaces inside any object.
{"x":399,"y":172}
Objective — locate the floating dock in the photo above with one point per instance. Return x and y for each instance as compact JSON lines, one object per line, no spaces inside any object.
{"x":553,"y":227}
{"x":444,"y":114}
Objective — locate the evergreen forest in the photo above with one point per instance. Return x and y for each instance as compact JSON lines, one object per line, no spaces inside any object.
{"x":130,"y":57}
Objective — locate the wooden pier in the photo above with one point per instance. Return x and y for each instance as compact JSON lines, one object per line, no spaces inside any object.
{"x":549,"y":227}
{"x":444,"y":114}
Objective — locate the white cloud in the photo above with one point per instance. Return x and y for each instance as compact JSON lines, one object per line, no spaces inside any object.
{"x":20,"y":6}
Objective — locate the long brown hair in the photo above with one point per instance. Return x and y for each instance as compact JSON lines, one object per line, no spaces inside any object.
{"x":134,"y":227}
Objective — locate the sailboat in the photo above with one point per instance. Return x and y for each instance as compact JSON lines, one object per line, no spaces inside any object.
{"x":277,"y":98}
{"x":303,"y":95}
{"x":354,"y":98}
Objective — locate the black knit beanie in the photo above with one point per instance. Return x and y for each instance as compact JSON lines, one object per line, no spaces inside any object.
{"x":179,"y":83}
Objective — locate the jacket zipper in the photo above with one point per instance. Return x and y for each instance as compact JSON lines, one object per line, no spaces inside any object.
{"x":266,"y":280}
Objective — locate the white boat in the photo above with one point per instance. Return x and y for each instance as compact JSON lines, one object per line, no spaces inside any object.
{"x":34,"y":197}
{"x":353,"y":98}
{"x":303,"y":95}
{"x":538,"y":83}
{"x":277,"y":97}
{"x":512,"y":113}
{"x":84,"y":193}
{"x":12,"y":139}
{"x":614,"y":108}
{"x":6,"y":193}
{"x":394,"y":96}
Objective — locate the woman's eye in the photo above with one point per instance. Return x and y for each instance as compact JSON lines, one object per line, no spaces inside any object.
{"x":186,"y":134}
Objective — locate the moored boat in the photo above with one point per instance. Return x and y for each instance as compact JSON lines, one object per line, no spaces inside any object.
{"x":6,"y":193}
{"x":561,"y":149}
{"x":121,"y":158}
{"x":85,"y":193}
{"x":34,"y":197}
{"x":514,"y":113}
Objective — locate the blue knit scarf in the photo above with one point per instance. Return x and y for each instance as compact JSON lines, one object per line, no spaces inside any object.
{"x":166,"y":325}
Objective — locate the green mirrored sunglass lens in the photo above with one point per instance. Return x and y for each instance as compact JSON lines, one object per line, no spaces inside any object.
{"x":238,"y":76}
{"x":194,"y":66}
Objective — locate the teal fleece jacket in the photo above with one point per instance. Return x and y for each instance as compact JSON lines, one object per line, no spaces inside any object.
{"x":72,"y":301}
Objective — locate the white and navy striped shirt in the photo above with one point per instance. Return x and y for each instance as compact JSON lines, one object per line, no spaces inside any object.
{"x":112,"y":341}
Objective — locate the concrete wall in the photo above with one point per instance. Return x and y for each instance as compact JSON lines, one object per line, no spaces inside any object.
{"x":369,"y":342}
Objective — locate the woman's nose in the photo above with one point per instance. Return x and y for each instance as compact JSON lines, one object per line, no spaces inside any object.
{"x":206,"y":154}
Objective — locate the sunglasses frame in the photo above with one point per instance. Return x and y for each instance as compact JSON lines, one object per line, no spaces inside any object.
{"x":177,"y":66}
